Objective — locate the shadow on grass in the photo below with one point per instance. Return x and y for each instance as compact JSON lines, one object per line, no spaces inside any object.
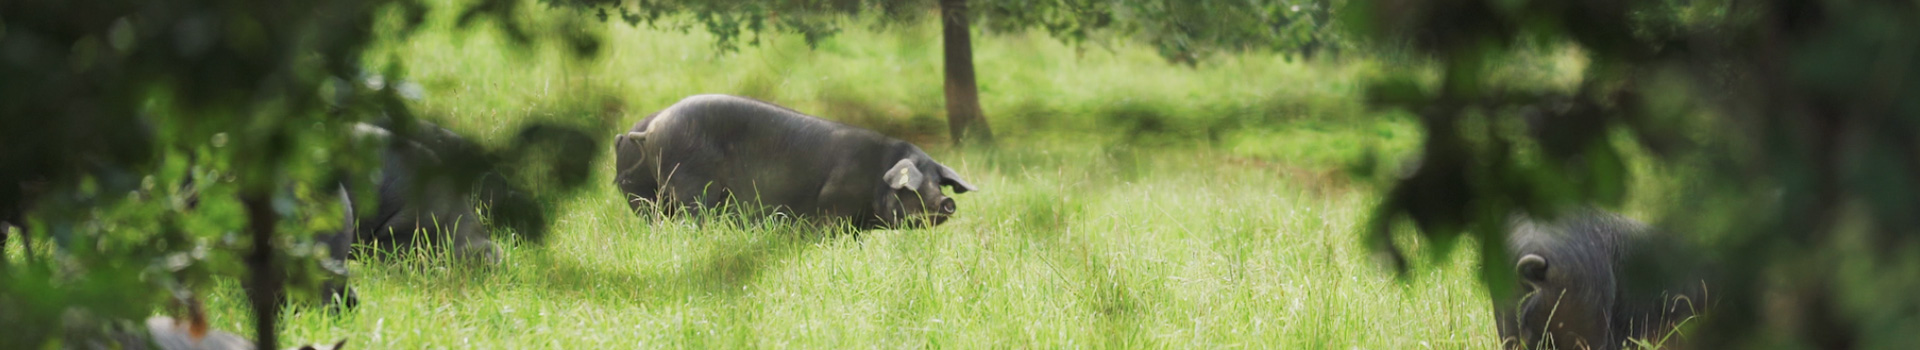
{"x":723,"y":269}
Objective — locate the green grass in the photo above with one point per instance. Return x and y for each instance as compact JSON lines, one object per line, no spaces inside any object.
{"x":1132,"y":204}
{"x":1058,"y":250}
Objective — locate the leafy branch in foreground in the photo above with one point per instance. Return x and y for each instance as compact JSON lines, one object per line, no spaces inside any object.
{"x":153,"y":146}
{"x":1788,"y":123}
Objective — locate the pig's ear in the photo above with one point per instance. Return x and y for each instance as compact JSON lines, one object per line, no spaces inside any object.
{"x":1532,"y":269}
{"x":952,"y":179}
{"x":904,"y":175}
{"x":629,"y":139}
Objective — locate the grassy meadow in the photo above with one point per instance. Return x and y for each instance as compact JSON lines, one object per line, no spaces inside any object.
{"x":1131,"y":203}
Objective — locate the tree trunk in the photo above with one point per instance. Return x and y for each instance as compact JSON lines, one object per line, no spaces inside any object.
{"x":964,"y":118}
{"x":265,"y":293}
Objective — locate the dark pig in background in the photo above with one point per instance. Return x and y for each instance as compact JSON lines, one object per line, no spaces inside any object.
{"x":418,"y":203}
{"x":426,"y":192}
{"x":415,"y":206}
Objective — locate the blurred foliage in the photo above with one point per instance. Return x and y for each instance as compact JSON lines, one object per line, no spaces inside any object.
{"x":1183,"y":30}
{"x":1789,"y":123}
{"x":147,"y":147}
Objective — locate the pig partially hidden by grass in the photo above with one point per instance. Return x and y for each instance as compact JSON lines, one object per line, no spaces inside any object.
{"x":1596,"y":280}
{"x":424,"y":195}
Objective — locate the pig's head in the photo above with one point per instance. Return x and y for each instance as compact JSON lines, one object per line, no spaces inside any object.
{"x":913,"y":199}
